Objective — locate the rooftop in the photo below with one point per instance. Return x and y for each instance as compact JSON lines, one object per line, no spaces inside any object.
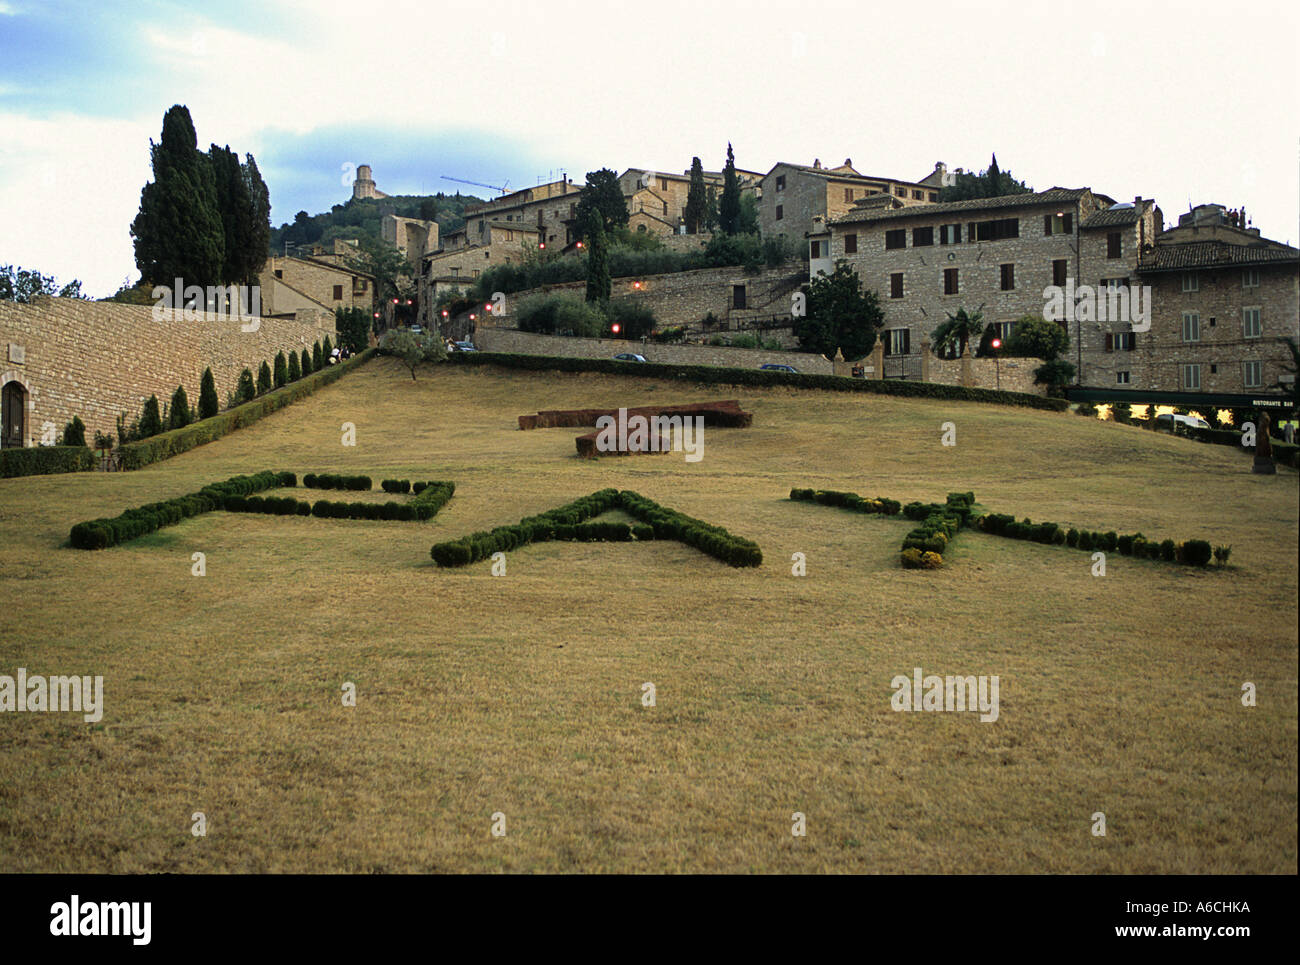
{"x":1051,"y":196}
{"x":1215,"y":254}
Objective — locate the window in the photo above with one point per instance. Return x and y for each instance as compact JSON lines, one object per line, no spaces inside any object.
{"x":898,"y":341}
{"x":816,"y":249}
{"x":1008,"y":277}
{"x":1250,"y":278}
{"x":1191,"y":327}
{"x":1191,"y":282}
{"x":1191,"y":376}
{"x":1061,"y":223}
{"x":950,"y":281}
{"x":1002,"y":330}
{"x":780,"y":182}
{"x":338,"y":293}
{"x":950,"y":234}
{"x":737,"y":296}
{"x":922,"y":237}
{"x":455,"y":273}
{"x":1250,"y":327}
{"x":663,"y":184}
{"x":918,"y":195}
{"x":901,"y":192}
{"x":896,"y":238}
{"x":851,"y":244}
{"x":995,"y":230}
{"x":1122,"y":378}
{"x":1059,"y":268}
{"x":1113,"y":244}
{"x":1120,"y":341}
{"x":934,"y":195}
{"x":665,"y":207}
{"x":780,"y":212}
{"x":896,"y":285}
{"x":848,"y":194}
{"x":279,"y":273}
{"x":1113,"y":284}
{"x":1252,"y":375}
{"x":474,"y":273}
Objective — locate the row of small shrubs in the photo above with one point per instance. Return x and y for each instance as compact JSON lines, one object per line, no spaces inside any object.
{"x":569,"y":522}
{"x":41,"y":460}
{"x":1283,"y":452}
{"x":102,"y":533}
{"x":923,"y":547}
{"x":717,"y":375}
{"x":860,"y":504}
{"x":396,"y":485}
{"x":138,"y":454}
{"x":325,"y":480}
{"x":327,"y":509}
{"x":1193,"y":552}
{"x":431,"y":497}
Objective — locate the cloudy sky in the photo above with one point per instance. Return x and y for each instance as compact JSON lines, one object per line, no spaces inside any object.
{"x":1186,"y":102}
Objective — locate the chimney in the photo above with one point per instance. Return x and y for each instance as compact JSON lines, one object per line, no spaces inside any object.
{"x":817,"y":164}
{"x":848,"y":162}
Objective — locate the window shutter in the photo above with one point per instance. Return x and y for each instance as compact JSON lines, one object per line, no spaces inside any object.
{"x":907,"y":341}
{"x":1047,"y":224}
{"x":1069,"y":222}
{"x":1110,"y":342}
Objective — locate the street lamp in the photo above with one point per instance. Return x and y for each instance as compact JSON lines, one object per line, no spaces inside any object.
{"x":997,"y":361}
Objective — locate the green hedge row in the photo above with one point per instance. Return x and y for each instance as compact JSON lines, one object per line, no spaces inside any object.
{"x":396,"y":485}
{"x":327,"y":480}
{"x":1193,"y":552}
{"x":923,"y":547}
{"x":569,"y":522}
{"x":1285,"y":453}
{"x":101,"y":533}
{"x":861,"y":504}
{"x":432,"y":496}
{"x":172,"y":443}
{"x":42,"y":460}
{"x":729,"y":376}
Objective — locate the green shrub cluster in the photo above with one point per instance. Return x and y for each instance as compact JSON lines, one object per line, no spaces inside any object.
{"x":42,"y":460}
{"x":923,"y":547}
{"x":272,"y":505}
{"x":431,"y":497}
{"x":396,"y":485}
{"x":101,"y":533}
{"x":1194,"y":552}
{"x":327,"y":509}
{"x":327,"y":480}
{"x":167,"y":444}
{"x":716,"y":375}
{"x":861,"y":504}
{"x":569,"y":522}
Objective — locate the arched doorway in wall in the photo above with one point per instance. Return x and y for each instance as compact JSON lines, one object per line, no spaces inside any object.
{"x":13,"y":415}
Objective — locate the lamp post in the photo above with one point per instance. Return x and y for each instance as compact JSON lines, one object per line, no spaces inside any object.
{"x":997,"y":361}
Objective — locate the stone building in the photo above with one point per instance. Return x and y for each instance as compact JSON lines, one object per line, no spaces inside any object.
{"x":323,"y":282}
{"x":791,"y":196}
{"x":413,"y":237}
{"x":364,"y":185}
{"x":656,"y":200}
{"x":1223,"y":299}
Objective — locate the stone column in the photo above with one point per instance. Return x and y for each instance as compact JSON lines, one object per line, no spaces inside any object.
{"x":925,"y":359}
{"x":877,"y":369}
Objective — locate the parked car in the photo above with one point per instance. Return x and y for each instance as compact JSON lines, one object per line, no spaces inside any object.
{"x":778,"y":367}
{"x":628,"y":357}
{"x":1168,"y":420}
{"x":464,"y":346}
{"x":417,"y":330}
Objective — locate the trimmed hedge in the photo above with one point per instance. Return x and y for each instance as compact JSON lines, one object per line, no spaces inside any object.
{"x":168,"y":444}
{"x":1284,"y":453}
{"x":922,"y":547}
{"x":432,"y":497}
{"x":44,"y":460}
{"x":860,"y":504}
{"x":1194,"y":552}
{"x":396,"y":485}
{"x":327,"y":480}
{"x":569,"y":522}
{"x":101,"y":533}
{"x":716,"y":375}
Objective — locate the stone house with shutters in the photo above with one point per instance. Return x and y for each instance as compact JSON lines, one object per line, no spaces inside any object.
{"x":312,"y":283}
{"x":656,"y":200}
{"x":1223,"y":300}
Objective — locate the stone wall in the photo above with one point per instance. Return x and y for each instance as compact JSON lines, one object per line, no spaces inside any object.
{"x":97,"y":360}
{"x":526,"y":343}
{"x":1009,"y":375}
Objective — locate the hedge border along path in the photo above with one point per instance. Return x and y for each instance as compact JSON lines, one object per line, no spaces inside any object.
{"x":717,"y":375}
{"x":569,"y":522}
{"x":136,"y":455}
{"x":45,"y":460}
{"x":236,"y":495}
{"x":941,"y":521}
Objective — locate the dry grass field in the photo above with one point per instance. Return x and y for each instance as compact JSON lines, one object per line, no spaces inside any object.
{"x":522,"y":694}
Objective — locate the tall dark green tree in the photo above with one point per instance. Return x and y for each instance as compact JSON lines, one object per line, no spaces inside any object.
{"x":729,"y":203}
{"x":604,"y":195}
{"x":295,"y":367}
{"x":178,"y":231}
{"x":150,"y":419}
{"x":263,"y":378}
{"x":992,"y":182}
{"x":598,"y":285}
{"x":317,"y":357}
{"x":259,"y":239}
{"x":280,"y":374}
{"x":179,"y":415}
{"x":696,"y":195}
{"x":840,"y":315}
{"x":307,"y":366}
{"x":711,"y":209}
{"x":245,"y":391}
{"x":208,"y":402}
{"x":236,"y":210}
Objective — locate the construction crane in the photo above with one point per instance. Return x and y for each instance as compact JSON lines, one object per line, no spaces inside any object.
{"x":480,"y":184}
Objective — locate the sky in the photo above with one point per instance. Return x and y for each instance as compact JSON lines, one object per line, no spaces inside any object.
{"x":1186,"y":102}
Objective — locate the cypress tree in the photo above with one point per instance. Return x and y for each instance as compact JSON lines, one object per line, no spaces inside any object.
{"x":178,"y":232}
{"x":695,"y":199}
{"x":236,"y":211}
{"x":264,"y":379}
{"x":281,"y":373}
{"x":597,"y":260}
{"x":259,"y":238}
{"x":208,"y":403}
{"x":244,"y":391}
{"x":179,"y":415}
{"x":295,"y":369}
{"x":327,"y":349}
{"x":307,"y":368}
{"x":729,"y":204}
{"x":317,"y":359}
{"x":150,"y":419}
{"x":74,"y":433}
